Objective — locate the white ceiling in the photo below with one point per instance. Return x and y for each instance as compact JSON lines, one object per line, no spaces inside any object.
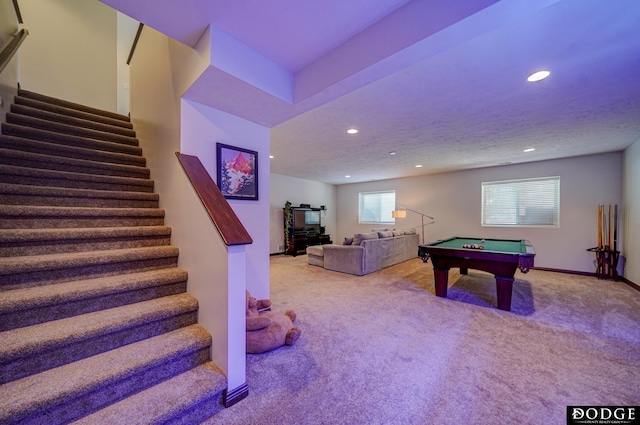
{"x":442,"y":83}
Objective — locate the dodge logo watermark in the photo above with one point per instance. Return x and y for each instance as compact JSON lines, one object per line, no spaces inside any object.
{"x":622,"y":415}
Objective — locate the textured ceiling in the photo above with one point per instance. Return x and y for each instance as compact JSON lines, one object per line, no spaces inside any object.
{"x":441,"y":83}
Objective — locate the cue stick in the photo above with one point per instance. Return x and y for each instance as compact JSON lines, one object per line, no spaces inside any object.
{"x":600,"y":226}
{"x":605,"y":228}
{"x":600,"y":239}
{"x":615,"y":228}
{"x":610,"y":226}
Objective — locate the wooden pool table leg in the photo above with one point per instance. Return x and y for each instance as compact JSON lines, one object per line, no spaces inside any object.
{"x":442,"y":281}
{"x":504,"y":288}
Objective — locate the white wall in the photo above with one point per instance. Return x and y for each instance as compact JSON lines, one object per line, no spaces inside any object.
{"x":71,"y":51}
{"x":127,"y":29}
{"x":631,"y":212}
{"x":299,"y":191}
{"x":454,"y":199}
{"x":8,"y":22}
{"x":202,"y":128}
{"x":161,"y":71}
{"x":9,"y":76}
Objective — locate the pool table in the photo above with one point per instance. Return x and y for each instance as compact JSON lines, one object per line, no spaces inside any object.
{"x":501,"y":257}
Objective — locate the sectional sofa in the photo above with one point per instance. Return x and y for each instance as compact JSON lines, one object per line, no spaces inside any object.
{"x":366,"y":252}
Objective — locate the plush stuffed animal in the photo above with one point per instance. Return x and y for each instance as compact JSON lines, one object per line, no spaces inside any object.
{"x":267,"y":330}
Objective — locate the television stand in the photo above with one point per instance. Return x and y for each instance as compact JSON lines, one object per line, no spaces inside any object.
{"x":298,"y":243}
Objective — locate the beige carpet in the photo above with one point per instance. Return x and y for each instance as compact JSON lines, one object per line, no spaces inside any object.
{"x":383,"y":349}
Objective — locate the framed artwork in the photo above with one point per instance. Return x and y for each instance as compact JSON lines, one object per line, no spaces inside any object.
{"x":237,"y":172}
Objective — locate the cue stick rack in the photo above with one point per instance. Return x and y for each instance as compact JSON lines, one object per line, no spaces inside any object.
{"x":607,"y":253}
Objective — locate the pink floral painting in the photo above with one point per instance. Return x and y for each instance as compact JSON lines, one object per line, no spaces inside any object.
{"x":237,"y":172}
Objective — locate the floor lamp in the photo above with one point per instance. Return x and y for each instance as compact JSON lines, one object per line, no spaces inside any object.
{"x":402,"y":213}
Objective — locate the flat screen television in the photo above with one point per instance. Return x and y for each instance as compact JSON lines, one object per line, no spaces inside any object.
{"x":306,"y":221}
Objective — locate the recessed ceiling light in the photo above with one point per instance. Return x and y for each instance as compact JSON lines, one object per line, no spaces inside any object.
{"x":392,"y":153}
{"x":347,"y":176}
{"x":529,"y":150}
{"x":537,"y":76}
{"x":271,"y":156}
{"x":352,"y":131}
{"x":419,"y":166}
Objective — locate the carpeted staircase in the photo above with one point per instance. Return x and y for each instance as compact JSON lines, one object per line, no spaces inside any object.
{"x":95,"y":323}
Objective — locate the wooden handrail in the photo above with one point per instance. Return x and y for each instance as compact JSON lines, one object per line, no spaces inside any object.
{"x":224,"y":218}
{"x":135,"y":42}
{"x":17,"y":10}
{"x":12,"y":47}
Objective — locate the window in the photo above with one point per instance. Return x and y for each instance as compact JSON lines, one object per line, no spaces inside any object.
{"x":376,"y":207}
{"x":522,"y":203}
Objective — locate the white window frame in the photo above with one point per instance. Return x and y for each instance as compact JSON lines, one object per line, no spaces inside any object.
{"x":519,"y":198}
{"x":383,"y":208}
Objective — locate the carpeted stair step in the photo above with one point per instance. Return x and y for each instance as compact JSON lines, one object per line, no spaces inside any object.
{"x":95,"y":321}
{"x":34,"y":349}
{"x":16,"y":194}
{"x":189,"y":398}
{"x":71,"y":105}
{"x":38,"y":177}
{"x":23,"y":272}
{"x":50,"y":107}
{"x":35,"y":217}
{"x":34,"y":154}
{"x":29,"y":306}
{"x":70,"y":120}
{"x":25,"y":242}
{"x":72,"y":391}
{"x":55,"y":127}
{"x":33,"y":128}
{"x":25,"y":152}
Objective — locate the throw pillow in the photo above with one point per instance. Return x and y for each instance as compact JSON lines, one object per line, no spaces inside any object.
{"x":388,"y":234}
{"x":359,"y":237}
{"x":347,"y":241}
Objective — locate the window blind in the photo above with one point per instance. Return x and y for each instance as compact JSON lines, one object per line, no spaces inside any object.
{"x":522,"y":203}
{"x":376,"y":207}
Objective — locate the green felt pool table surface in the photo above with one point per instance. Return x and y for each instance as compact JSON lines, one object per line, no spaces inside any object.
{"x":495,"y":245}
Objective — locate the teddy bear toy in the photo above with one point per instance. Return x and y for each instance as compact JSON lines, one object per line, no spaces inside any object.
{"x":267,"y":330}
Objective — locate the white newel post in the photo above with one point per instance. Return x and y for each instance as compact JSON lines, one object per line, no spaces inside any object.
{"x":236,"y":316}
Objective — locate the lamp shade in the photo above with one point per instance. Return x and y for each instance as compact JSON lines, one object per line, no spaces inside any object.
{"x":398,"y":214}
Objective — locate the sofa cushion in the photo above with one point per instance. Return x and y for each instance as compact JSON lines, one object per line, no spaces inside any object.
{"x":386,"y":252}
{"x":348,"y":241}
{"x":386,"y":234}
{"x":344,"y":259}
{"x":409,"y":231}
{"x":316,"y":250}
{"x":359,"y":237}
{"x":315,"y":255}
{"x":398,"y":232}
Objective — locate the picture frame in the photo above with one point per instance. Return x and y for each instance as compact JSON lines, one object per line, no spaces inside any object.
{"x":237,"y":172}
